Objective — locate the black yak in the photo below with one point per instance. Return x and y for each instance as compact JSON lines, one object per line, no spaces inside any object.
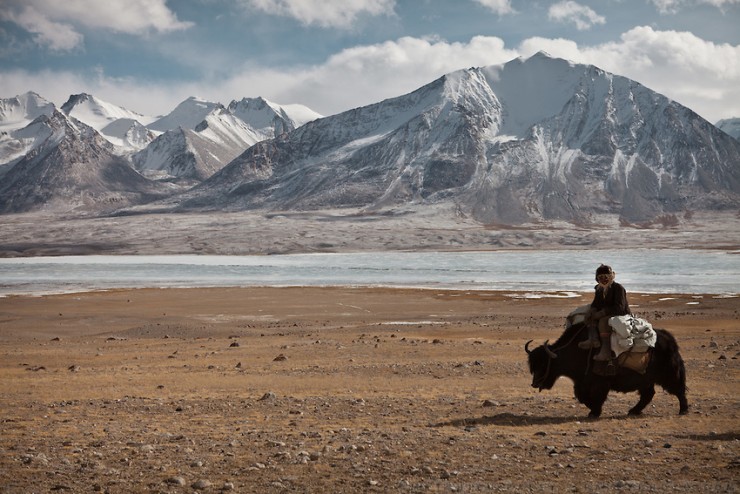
{"x":563,"y":358}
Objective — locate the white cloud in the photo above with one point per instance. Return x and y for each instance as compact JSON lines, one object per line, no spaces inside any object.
{"x":673,"y":6}
{"x":700,"y":74}
{"x":323,"y":13}
{"x":55,"y":24}
{"x":500,"y":7}
{"x":353,"y":77}
{"x":569,"y":11}
{"x":367,"y":74}
{"x":53,"y":35}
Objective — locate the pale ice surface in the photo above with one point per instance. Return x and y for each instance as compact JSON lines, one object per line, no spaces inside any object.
{"x":542,"y":271}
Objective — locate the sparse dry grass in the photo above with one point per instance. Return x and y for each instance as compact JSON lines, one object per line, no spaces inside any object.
{"x":381,"y":391}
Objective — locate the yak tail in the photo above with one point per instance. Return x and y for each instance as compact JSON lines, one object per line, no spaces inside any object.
{"x":675,"y":367}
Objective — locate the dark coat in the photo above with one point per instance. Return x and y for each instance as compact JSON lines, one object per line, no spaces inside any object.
{"x":614,"y":302}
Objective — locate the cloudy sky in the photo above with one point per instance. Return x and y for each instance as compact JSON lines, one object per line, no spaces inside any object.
{"x":334,"y":55}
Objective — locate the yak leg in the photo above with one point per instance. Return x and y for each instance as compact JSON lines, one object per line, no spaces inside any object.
{"x":679,"y":390}
{"x":593,"y":395}
{"x":646,"y":396}
{"x":683,"y":404}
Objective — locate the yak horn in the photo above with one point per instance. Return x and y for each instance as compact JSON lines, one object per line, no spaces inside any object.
{"x":549,"y":352}
{"x":526,"y":347}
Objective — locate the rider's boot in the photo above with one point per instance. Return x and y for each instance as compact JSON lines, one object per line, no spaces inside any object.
{"x":592,"y":341}
{"x":605,"y":353}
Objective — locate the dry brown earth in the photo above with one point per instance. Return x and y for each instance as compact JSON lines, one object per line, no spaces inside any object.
{"x":377,"y":390}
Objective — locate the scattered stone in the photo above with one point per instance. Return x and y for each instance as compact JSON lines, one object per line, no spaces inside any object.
{"x":56,"y":339}
{"x":633,"y":484}
{"x":234,"y":344}
{"x":73,"y":368}
{"x":175,"y":481}
{"x":228,"y":486}
{"x":280,"y":358}
{"x":268,"y":396}
{"x":201,"y":484}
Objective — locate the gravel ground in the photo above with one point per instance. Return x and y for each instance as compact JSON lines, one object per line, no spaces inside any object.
{"x":344,"y":390}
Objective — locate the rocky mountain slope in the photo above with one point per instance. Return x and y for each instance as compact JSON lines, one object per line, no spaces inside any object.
{"x":203,"y":137}
{"x":531,"y":140}
{"x":534,"y":139}
{"x":16,"y":137}
{"x":72,"y":168}
{"x":47,"y":156}
{"x":124,"y":128}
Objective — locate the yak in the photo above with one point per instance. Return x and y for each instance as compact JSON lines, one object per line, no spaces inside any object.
{"x":563,"y":358}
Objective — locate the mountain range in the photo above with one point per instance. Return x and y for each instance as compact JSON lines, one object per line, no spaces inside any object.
{"x":530,"y":140}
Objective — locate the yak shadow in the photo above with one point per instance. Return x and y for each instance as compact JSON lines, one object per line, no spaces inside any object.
{"x":724,"y":436}
{"x":509,"y":419}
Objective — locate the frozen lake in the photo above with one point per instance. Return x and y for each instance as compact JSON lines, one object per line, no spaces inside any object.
{"x":646,"y":270}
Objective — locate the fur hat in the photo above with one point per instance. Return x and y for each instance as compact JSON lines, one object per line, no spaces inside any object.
{"x":604,"y":269}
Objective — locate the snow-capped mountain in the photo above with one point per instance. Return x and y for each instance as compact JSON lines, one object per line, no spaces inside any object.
{"x":18,"y":136}
{"x":532,"y":139}
{"x":73,"y":167}
{"x":270,"y":119}
{"x":187,"y":115}
{"x":731,"y":126}
{"x":19,"y":111}
{"x":120,"y":126}
{"x":195,"y":151}
{"x":185,"y":154}
{"x":206,"y":136}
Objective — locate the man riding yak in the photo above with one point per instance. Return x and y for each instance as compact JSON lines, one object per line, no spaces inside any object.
{"x":635,"y":358}
{"x":610,"y":299}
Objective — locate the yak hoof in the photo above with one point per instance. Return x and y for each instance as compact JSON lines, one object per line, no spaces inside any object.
{"x":634,"y":413}
{"x":594,"y":415}
{"x":684,"y":411}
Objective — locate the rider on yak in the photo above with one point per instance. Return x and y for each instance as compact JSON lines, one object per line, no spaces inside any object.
{"x":610,"y":299}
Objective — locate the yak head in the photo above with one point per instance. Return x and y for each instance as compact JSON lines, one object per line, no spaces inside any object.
{"x":542,"y":363}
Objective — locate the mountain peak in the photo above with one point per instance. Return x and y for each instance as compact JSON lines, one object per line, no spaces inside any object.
{"x":534,"y":139}
{"x":188,"y":114}
{"x":74,"y":100}
{"x":19,"y":111}
{"x":541,"y":54}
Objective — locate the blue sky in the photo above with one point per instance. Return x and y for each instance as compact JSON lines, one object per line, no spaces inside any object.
{"x":333,"y":55}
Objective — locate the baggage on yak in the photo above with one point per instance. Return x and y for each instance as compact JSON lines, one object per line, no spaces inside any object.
{"x":631,"y":333}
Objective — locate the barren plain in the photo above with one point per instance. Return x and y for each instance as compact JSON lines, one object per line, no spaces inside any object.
{"x":345,"y":390}
{"x":424,"y":227}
